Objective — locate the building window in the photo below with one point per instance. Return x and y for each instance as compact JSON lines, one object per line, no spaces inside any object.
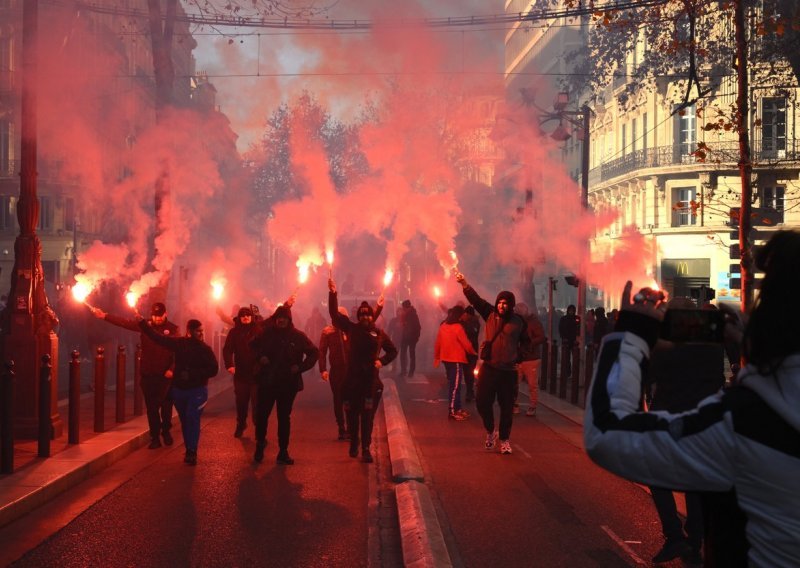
{"x":624,"y":139}
{"x":772,"y":197}
{"x":773,"y":127}
{"x":685,"y":207}
{"x":644,"y":134}
{"x":634,"y":141}
{"x":686,"y":127}
{"x":45,"y":214}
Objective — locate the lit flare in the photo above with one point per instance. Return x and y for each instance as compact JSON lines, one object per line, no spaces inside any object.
{"x":387,"y":277}
{"x":132,"y":298}
{"x":81,"y":291}
{"x":217,"y":289}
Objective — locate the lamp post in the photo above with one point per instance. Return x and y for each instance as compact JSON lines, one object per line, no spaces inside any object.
{"x":28,"y":320}
{"x":580,"y":120}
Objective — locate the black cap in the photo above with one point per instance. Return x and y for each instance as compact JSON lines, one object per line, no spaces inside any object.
{"x":282,"y":312}
{"x":158,"y":309}
{"x":245,"y":312}
{"x":365,"y":308}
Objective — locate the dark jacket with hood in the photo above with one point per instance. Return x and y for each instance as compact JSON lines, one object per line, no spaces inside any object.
{"x":283,"y":354}
{"x":365,"y":346}
{"x":409,"y":323}
{"x":156,"y":360}
{"x":237,"y":351}
{"x":508,"y":331}
{"x":195,"y":361}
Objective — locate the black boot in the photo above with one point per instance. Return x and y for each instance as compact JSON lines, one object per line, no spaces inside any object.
{"x":353,"y":447}
{"x":366,"y":457}
{"x":283,"y":458}
{"x":259,"y":455}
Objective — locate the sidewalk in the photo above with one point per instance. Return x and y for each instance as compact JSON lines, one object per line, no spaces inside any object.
{"x":37,"y":480}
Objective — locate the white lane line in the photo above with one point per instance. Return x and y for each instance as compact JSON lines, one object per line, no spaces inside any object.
{"x":523,"y":452}
{"x":621,"y":543}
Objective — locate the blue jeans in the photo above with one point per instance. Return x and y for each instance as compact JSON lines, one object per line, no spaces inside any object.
{"x":190,"y":404}
{"x":455,"y":378}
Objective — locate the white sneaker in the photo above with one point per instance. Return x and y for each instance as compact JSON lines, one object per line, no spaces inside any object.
{"x":490,"y":440}
{"x":515,"y":410}
{"x":505,"y":447}
{"x":531,"y":411}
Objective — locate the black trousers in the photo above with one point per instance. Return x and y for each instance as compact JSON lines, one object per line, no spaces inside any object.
{"x":246,"y":392}
{"x":496,"y":384}
{"x":408,"y":354}
{"x":671,"y":524}
{"x":269,"y":397}
{"x":158,"y":404}
{"x":361,"y":413}
{"x":336,"y":379}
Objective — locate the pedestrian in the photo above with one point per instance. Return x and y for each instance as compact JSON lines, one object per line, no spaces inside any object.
{"x":156,"y":370}
{"x":745,"y":438}
{"x":497,"y":378}
{"x":568,"y":327}
{"x":240,"y":361}
{"x":284,"y":354}
{"x":410,"y":331}
{"x":530,"y":355}
{"x":395,"y":332}
{"x":602,"y":327}
{"x":333,"y":348}
{"x":363,"y":388}
{"x":314,"y":324}
{"x":195,"y":363}
{"x":472,"y":327}
{"x":451,"y":348}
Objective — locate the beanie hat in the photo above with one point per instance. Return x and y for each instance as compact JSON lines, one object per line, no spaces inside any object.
{"x":406,"y":303}
{"x":508,"y":297}
{"x":282,"y":312}
{"x":365,"y":307}
{"x":158,"y":309}
{"x":245,"y":312}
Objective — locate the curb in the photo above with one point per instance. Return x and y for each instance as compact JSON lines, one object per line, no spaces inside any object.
{"x":421,"y":534}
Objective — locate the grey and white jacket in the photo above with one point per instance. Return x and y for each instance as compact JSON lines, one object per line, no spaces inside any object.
{"x":746,"y":437}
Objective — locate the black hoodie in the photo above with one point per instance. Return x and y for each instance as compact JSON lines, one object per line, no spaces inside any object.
{"x":280,"y":349}
{"x":506,"y":332}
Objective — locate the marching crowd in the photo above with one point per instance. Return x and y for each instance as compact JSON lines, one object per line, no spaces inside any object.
{"x":659,"y":413}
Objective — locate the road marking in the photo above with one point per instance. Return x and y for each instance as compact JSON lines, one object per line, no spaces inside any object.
{"x":522,"y":450}
{"x":621,"y":543}
{"x":429,"y":400}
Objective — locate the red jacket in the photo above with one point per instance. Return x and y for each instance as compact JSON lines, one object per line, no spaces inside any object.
{"x":452,"y":344}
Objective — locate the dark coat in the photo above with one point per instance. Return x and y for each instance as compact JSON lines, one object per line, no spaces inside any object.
{"x":410,"y":326}
{"x":195,"y":361}
{"x":284,"y":355}
{"x":506,"y":333}
{"x":366,"y":344}
{"x":156,"y":359}
{"x":237,"y":351}
{"x":333,"y":346}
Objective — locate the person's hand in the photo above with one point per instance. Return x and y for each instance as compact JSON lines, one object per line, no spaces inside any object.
{"x":325,"y":376}
{"x":461,"y":279}
{"x":331,"y":285}
{"x":232,"y":370}
{"x":168,"y":373}
{"x":380,"y":299}
{"x":290,"y":302}
{"x":378,"y":364}
{"x":98,"y":313}
{"x":646,"y":301}
{"x":735,"y":322}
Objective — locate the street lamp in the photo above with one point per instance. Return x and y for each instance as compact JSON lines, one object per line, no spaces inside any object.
{"x":580,"y":120}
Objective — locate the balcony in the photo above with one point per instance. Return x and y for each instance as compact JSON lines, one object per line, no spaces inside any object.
{"x":48,"y":170}
{"x":663,"y":156}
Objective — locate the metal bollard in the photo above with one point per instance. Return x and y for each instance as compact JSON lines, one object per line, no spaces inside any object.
{"x":553,"y":372}
{"x":99,"y":390}
{"x":543,"y":365}
{"x":45,"y":396}
{"x":576,"y":374}
{"x":7,"y":419}
{"x":137,"y":382}
{"x":74,"y":398}
{"x":562,"y":378}
{"x":121,"y":360}
{"x":588,"y":372}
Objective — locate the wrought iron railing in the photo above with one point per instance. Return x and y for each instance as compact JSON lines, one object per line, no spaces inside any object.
{"x":663,"y":156}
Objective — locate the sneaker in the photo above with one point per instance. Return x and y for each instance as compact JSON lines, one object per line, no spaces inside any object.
{"x":167,"y":438}
{"x":155,"y":443}
{"x":505,"y":447}
{"x":490,"y":440}
{"x":258,"y":456}
{"x":531,"y":411}
{"x":672,"y":549}
{"x":457,"y":416}
{"x":284,"y":459}
{"x":239,"y":430}
{"x":366,"y":457}
{"x":463,"y":413}
{"x":190,"y":457}
{"x":516,"y":408}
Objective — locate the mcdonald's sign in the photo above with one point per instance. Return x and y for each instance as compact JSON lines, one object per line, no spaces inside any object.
{"x":685,"y":268}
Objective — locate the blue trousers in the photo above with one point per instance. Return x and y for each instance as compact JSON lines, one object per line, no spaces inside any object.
{"x":455,"y":378}
{"x":190,"y":404}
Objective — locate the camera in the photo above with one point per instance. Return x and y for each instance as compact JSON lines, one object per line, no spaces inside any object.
{"x":693,"y":326}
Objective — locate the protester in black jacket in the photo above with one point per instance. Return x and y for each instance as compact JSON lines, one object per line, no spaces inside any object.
{"x":195,"y":363}
{"x":240,"y":361}
{"x":333,"y":346}
{"x":284,"y":353}
{"x":363,"y":387}
{"x":156,"y":370}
